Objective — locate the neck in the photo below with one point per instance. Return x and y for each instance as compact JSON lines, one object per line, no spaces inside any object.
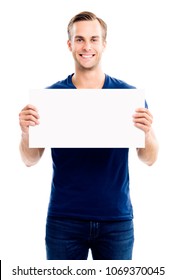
{"x":88,"y":79}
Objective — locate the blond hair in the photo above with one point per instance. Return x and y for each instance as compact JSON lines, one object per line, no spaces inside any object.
{"x":87,"y":16}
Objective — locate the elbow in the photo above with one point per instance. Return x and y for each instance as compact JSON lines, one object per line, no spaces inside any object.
{"x":30,"y":163}
{"x":148,"y":162}
{"x":27,"y":162}
{"x":152,"y":160}
{"x":154,"y":155}
{"x":149,"y":158}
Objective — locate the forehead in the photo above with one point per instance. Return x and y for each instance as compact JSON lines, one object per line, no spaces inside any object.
{"x":86,"y":28}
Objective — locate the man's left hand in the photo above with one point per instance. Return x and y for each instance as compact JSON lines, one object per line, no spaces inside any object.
{"x":143,"y":119}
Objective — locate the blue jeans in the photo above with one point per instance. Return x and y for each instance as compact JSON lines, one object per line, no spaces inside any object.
{"x":68,"y":239}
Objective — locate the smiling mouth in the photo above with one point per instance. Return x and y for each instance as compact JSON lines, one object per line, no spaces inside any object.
{"x":87,"y":55}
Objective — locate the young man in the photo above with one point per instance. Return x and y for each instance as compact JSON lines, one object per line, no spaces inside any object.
{"x":90,"y":206}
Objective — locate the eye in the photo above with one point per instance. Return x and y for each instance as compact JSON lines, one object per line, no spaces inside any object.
{"x":79,"y":40}
{"x":95,"y":40}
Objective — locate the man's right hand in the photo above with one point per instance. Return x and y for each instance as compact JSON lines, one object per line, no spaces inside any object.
{"x":28,"y":117}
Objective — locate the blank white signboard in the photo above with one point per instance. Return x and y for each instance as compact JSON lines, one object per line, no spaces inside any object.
{"x":84,"y":118}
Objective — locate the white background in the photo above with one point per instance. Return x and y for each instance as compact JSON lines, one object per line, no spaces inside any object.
{"x":34,"y":54}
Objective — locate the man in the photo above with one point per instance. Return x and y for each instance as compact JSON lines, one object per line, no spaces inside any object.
{"x":90,"y":206}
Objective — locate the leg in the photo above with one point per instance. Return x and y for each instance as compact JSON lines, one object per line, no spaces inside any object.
{"x":115,"y":241}
{"x":64,"y":240}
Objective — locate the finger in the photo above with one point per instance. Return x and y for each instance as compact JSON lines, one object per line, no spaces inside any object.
{"x":24,"y":123}
{"x":143,"y":120}
{"x":26,"y":115}
{"x":144,"y":110}
{"x":29,"y":113}
{"x":143,"y":115}
{"x":30,"y":106}
{"x":29,"y":109}
{"x":29,"y":118}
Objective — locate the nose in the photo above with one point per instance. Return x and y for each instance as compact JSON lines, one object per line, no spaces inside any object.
{"x":87,"y":46}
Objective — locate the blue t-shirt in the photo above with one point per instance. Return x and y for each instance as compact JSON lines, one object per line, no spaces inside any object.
{"x":90,"y":183}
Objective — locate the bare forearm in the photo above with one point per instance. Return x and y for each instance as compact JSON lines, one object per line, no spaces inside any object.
{"x":149,"y":154}
{"x":30,"y":156}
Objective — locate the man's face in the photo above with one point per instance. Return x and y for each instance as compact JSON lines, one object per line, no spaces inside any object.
{"x":87,"y":44}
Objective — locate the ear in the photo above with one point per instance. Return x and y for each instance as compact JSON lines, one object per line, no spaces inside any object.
{"x":69,"y":45}
{"x":104,"y":45}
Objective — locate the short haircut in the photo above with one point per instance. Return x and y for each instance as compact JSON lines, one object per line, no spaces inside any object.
{"x":87,"y":16}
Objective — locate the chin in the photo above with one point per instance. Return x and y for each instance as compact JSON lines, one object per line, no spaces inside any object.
{"x":87,"y":67}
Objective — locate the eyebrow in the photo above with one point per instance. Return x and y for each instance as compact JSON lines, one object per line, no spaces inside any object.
{"x":81,"y":37}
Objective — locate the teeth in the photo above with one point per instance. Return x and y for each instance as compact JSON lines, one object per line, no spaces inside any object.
{"x":87,"y":56}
